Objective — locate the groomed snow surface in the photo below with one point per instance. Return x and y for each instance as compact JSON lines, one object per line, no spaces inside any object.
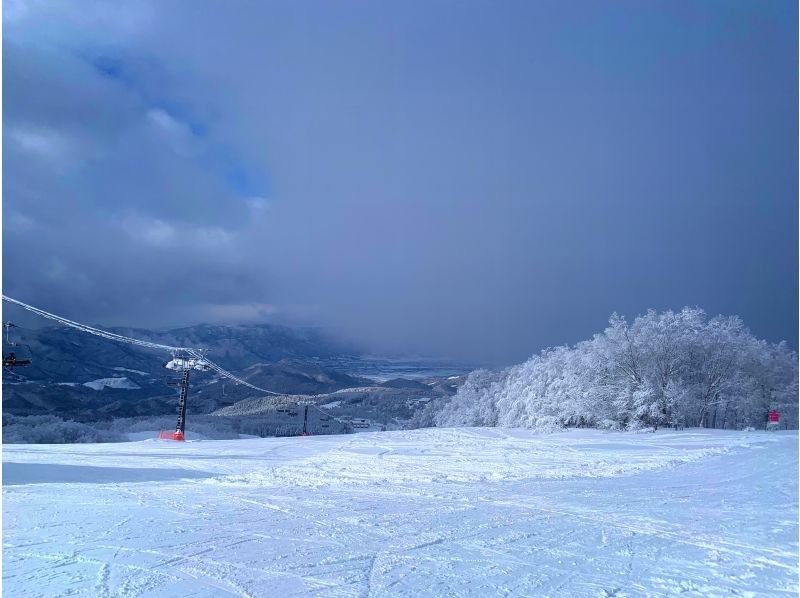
{"x":438,"y":512}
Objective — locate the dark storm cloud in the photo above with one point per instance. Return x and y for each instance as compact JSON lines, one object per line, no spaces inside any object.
{"x":466,"y":178}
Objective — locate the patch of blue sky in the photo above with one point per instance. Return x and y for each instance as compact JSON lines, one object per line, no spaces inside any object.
{"x":182,"y":112}
{"x":243,"y":182}
{"x":108,"y":66}
{"x":134,"y":77}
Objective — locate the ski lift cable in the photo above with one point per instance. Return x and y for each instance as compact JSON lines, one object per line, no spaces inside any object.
{"x":223,"y":372}
{"x":91,"y":330}
{"x":135,"y":341}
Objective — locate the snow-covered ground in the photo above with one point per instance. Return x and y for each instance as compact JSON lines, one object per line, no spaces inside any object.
{"x":442,"y":512}
{"x":119,"y":382}
{"x":121,"y":369}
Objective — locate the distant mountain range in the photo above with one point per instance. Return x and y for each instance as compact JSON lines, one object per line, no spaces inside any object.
{"x":84,"y":377}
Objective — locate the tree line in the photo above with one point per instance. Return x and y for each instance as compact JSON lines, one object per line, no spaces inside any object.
{"x":676,"y":369}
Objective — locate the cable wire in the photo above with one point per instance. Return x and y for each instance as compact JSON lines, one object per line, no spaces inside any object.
{"x":197,"y":353}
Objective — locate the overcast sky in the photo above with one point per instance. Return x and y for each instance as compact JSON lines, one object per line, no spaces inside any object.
{"x":475,"y":179}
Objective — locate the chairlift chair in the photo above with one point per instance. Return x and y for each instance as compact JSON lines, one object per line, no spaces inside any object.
{"x":15,"y":354}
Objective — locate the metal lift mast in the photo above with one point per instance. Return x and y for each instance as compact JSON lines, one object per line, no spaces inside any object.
{"x":180,"y":428}
{"x":305,"y":422}
{"x":183,"y":364}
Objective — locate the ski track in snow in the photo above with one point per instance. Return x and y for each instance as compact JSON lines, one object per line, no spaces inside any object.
{"x":440,"y":512}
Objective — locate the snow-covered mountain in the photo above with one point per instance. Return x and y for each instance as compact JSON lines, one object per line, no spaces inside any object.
{"x":82,"y":376}
{"x":74,"y":375}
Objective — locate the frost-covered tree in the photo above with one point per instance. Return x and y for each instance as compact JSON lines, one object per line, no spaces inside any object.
{"x":475,"y":403}
{"x":663,"y":369}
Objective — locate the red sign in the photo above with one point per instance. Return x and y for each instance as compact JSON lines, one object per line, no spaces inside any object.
{"x":774,"y":416}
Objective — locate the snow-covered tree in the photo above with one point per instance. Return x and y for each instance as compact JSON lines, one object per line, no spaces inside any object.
{"x":663,"y":369}
{"x":474,"y":405}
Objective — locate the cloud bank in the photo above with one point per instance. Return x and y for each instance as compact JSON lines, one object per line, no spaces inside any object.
{"x":452,"y":178}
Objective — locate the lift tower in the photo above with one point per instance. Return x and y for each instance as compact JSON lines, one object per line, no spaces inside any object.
{"x":184,"y":364}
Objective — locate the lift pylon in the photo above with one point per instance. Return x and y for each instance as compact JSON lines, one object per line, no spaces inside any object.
{"x":183,"y":364}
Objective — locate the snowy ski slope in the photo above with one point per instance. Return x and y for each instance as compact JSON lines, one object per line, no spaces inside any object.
{"x":439,"y":512}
